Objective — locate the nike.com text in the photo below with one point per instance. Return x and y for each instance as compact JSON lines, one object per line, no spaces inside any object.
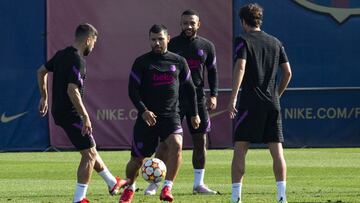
{"x":322,"y":113}
{"x":116,"y":114}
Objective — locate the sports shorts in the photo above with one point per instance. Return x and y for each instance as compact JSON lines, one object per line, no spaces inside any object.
{"x":146,"y":138}
{"x":72,"y":125}
{"x":258,"y":125}
{"x":205,"y":124}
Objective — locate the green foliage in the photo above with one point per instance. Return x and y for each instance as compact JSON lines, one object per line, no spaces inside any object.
{"x":314,"y":176}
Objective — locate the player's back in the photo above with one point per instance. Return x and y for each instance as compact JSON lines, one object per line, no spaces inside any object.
{"x":263,"y":53}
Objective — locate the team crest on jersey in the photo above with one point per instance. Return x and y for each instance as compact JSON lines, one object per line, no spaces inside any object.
{"x":340,"y":10}
{"x":200,"y":52}
{"x":172,"y":68}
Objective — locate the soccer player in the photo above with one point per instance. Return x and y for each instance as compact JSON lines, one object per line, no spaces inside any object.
{"x":154,"y":90}
{"x":200,"y":56}
{"x":258,"y":119}
{"x":68,"y":110}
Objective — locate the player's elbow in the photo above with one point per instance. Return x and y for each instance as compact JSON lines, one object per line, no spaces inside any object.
{"x":287,"y":73}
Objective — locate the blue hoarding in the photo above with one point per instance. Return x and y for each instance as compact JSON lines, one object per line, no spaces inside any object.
{"x":321,"y":38}
{"x":22,"y":52}
{"x":322,"y":45}
{"x":321,"y":117}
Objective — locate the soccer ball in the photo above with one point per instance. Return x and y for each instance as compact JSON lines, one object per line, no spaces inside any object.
{"x":153,"y":170}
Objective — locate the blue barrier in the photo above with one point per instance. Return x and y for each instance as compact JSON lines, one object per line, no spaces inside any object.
{"x":323,"y":52}
{"x":22,"y":52}
{"x":321,"y":117}
{"x":321,"y":40}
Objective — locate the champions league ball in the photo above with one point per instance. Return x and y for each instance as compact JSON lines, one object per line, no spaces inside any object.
{"x":153,"y":170}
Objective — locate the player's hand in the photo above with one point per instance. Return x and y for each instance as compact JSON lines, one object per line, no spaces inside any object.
{"x":195,"y":121}
{"x":43,"y":106}
{"x":212,"y":103}
{"x":232,"y":109}
{"x":149,"y":118}
{"x":86,"y":128}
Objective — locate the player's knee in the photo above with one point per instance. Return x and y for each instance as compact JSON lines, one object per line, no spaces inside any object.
{"x":89,"y":155}
{"x":199,"y":141}
{"x":174,"y":143}
{"x":177,"y":146}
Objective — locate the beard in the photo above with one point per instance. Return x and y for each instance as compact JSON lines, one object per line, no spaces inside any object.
{"x":86,"y":51}
{"x":189,"y":33}
{"x":157,"y":50}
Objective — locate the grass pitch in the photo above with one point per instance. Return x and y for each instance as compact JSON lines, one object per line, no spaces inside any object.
{"x":314,"y":176}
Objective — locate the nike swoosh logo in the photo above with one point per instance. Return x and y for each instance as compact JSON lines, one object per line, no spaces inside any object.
{"x":6,"y":119}
{"x":212,"y":115}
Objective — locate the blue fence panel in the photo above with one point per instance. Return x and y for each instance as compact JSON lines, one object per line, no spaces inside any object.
{"x":22,"y":52}
{"x":323,"y":50}
{"x":321,"y":117}
{"x":322,"y":41}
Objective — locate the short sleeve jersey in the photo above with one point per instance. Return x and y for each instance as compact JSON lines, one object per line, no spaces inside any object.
{"x":67,"y":67}
{"x":200,"y":56}
{"x":154,"y":82}
{"x":263,"y":54}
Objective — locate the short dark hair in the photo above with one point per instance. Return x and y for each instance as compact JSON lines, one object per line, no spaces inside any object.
{"x":190,"y":12}
{"x":158,"y":28}
{"x":85,"y":30}
{"x":252,"y":14}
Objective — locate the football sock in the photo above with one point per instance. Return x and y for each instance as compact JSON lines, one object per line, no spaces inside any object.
{"x":198,"y":177}
{"x":281,"y":189}
{"x":108,"y":177}
{"x":168,"y":183}
{"x":80,"y":192}
{"x":131,"y":187}
{"x":153,"y":186}
{"x":236,"y":192}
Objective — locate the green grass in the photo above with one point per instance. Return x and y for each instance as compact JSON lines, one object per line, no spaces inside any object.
{"x":314,"y":176}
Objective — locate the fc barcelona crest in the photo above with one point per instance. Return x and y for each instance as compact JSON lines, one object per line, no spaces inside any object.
{"x":340,"y":10}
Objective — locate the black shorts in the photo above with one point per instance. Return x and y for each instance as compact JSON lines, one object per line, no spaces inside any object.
{"x":146,"y":138}
{"x":258,"y":125}
{"x":72,"y":125}
{"x":205,"y":124}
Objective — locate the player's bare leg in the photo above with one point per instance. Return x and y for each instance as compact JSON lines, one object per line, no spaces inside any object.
{"x":174,"y":159}
{"x":132,"y":168}
{"x":199,"y":151}
{"x":114,"y":183}
{"x":238,"y":169}
{"x":86,"y":166}
{"x":173,"y":162}
{"x":85,"y":169}
{"x":161,"y":153}
{"x":198,"y":161}
{"x":132,"y":172}
{"x":279,"y":167}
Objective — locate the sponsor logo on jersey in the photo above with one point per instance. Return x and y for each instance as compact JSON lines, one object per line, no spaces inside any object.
{"x":193,"y":63}
{"x":162,"y":79}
